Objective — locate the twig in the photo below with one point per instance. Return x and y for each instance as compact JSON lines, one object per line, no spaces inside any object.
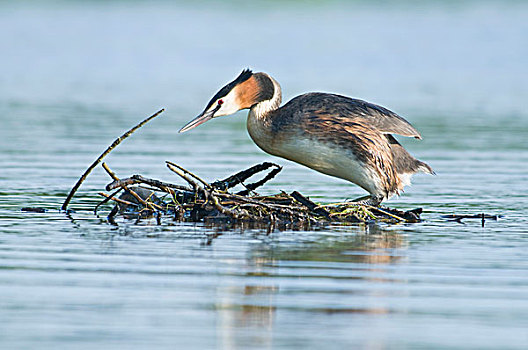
{"x":115,"y":199}
{"x":187,"y":172}
{"x":141,"y":200}
{"x":131,"y":191}
{"x":242,"y":176}
{"x":137,"y":179}
{"x":104,"y":154}
{"x":108,"y":198}
{"x":164,"y":186}
{"x":227,"y":211}
{"x":110,"y":172}
{"x":257,"y":202}
{"x":253,"y":186}
{"x":482,"y":217}
{"x":310,"y":205}
{"x":384,"y":212}
{"x":457,"y":217}
{"x":121,"y":183}
{"x":183,"y":175}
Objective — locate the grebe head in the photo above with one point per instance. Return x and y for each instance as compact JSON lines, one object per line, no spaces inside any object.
{"x":244,"y":92}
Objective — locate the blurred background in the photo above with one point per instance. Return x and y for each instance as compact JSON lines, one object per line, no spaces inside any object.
{"x":74,"y":75}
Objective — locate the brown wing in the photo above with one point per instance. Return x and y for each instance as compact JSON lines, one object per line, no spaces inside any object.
{"x":348,"y":109}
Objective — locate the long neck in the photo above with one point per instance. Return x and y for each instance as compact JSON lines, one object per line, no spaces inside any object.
{"x":264,"y":107}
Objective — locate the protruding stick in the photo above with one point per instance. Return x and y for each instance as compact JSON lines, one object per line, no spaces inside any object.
{"x":187,"y":172}
{"x":183,"y":175}
{"x":104,"y":154}
{"x":109,"y":172}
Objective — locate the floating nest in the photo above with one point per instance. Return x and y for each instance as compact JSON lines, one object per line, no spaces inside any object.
{"x":213,"y":203}
{"x":139,"y":198}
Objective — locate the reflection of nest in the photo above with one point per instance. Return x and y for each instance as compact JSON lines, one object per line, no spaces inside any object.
{"x":213,"y":203}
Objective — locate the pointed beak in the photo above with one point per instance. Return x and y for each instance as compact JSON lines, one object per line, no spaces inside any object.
{"x":202,"y":118}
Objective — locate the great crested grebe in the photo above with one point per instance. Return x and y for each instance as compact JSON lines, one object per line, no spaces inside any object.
{"x":333,"y":134}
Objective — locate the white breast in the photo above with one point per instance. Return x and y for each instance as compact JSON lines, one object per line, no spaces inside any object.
{"x":323,"y":157}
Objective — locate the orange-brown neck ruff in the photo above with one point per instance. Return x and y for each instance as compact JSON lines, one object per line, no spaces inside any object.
{"x":247,"y":93}
{"x":260,"y":89}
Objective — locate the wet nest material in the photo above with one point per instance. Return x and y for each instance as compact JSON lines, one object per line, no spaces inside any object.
{"x":213,"y":203}
{"x":139,"y":198}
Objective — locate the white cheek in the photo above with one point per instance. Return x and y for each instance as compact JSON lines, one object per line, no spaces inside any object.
{"x":228,"y":107}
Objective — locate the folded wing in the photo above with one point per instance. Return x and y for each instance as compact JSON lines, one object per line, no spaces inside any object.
{"x":346,"y":109}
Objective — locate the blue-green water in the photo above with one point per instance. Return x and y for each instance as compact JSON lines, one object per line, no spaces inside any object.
{"x":75,"y":75}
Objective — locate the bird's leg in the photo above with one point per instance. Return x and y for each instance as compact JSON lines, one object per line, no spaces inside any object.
{"x":360,"y":199}
{"x":372,"y":200}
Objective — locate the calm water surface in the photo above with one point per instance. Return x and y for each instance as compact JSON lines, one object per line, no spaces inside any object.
{"x":75,"y":75}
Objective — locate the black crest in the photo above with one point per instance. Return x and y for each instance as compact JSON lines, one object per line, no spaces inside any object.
{"x":243,"y":76}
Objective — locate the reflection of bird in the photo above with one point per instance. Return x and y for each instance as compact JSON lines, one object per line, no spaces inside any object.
{"x":336,"y":135}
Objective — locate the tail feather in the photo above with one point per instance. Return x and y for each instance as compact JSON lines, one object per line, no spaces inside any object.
{"x":424,"y":167}
{"x":405,"y":164}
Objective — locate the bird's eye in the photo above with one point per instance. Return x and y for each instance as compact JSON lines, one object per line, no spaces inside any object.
{"x":220,"y":102}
